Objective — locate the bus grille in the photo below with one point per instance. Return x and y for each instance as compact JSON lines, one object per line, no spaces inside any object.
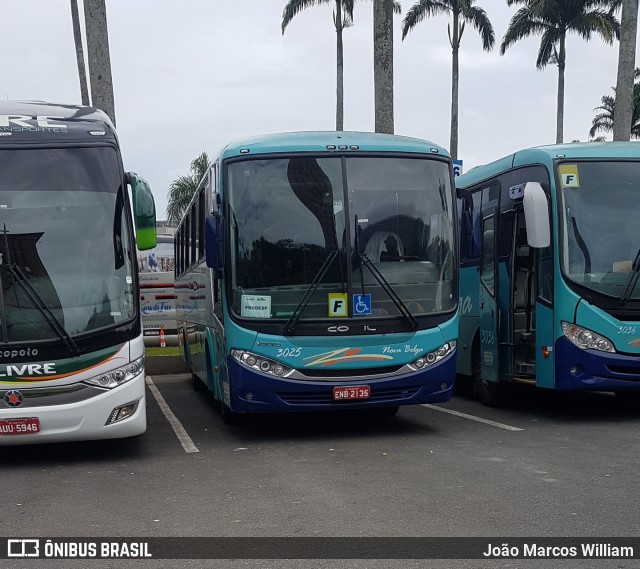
{"x":362,"y":372}
{"x":389,"y":394}
{"x":632,"y":372}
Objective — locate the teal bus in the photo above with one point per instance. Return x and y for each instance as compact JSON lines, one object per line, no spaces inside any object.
{"x":318,"y":270}
{"x":550,"y":261}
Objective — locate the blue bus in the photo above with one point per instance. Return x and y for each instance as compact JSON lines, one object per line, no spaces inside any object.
{"x":550,"y":261}
{"x":318,"y":271}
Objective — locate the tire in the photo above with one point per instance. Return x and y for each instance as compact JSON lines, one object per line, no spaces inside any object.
{"x":197,"y":383}
{"x":489,"y":393}
{"x":228,"y":416}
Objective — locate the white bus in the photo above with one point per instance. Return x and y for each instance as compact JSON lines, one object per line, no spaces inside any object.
{"x":157,"y":294}
{"x":71,"y":347}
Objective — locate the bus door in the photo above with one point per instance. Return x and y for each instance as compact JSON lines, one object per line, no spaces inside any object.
{"x":488,"y":294}
{"x":522,"y":311}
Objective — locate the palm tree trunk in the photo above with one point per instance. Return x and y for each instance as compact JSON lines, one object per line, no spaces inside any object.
{"x":95,"y":15}
{"x":383,"y":64}
{"x":339,"y":69}
{"x":77,"y":38}
{"x":455,"y":45}
{"x":560,"y":111}
{"x":623,"y":115}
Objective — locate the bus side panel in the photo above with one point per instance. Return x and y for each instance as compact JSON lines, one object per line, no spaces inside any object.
{"x":469,"y":318}
{"x":545,"y":354}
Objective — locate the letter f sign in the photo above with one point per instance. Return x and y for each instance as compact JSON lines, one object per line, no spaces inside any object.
{"x":337,"y":305}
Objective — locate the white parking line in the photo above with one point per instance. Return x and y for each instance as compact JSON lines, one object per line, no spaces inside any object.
{"x":473,"y":418}
{"x":178,"y":429}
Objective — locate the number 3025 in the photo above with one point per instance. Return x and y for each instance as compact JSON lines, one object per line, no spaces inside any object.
{"x":289,"y":352}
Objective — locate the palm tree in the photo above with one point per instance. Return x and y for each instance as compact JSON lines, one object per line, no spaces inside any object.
{"x":604,"y":120}
{"x":95,"y":16}
{"x":626,"y":63}
{"x":182,"y":189}
{"x":383,"y":11}
{"x":77,"y":38}
{"x":553,"y":19}
{"x":342,"y":18}
{"x":462,"y":11}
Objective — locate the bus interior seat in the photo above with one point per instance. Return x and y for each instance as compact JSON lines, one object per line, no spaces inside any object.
{"x":384,"y":246}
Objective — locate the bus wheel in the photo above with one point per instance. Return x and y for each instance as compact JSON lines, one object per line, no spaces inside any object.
{"x":228,"y":416}
{"x":197,"y":383}
{"x":489,"y":392}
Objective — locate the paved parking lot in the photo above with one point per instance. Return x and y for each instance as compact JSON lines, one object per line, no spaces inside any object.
{"x":545,"y":465}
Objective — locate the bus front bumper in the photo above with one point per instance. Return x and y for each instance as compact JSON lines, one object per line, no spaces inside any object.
{"x":81,"y":420}
{"x":254,"y":392}
{"x":594,"y":370}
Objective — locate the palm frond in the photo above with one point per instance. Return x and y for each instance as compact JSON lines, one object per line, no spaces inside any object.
{"x":424,"y":9}
{"x":294,"y":7}
{"x":478,"y":18}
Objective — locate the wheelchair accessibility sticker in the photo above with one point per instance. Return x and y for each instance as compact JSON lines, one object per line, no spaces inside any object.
{"x":362,"y":305}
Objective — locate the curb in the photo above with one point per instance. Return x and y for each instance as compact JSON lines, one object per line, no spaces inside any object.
{"x":164,"y":365}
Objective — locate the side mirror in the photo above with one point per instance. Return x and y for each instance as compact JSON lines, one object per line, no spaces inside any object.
{"x":214,"y":242}
{"x":144,"y":212}
{"x":536,"y":216}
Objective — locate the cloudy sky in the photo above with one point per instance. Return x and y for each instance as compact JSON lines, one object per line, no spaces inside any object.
{"x":192,"y":75}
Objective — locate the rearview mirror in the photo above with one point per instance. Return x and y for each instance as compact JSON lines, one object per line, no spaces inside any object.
{"x":536,"y":216}
{"x":214,"y":242}
{"x":144,"y":212}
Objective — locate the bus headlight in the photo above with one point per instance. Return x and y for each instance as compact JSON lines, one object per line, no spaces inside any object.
{"x":118,"y":376}
{"x":434,"y":356}
{"x":586,"y":339}
{"x":260,"y":363}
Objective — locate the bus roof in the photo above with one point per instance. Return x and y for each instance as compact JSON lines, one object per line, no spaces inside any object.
{"x":39,"y":121}
{"x":546,"y":155}
{"x":320,"y":141}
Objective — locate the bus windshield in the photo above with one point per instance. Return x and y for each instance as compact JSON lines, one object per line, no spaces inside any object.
{"x":64,"y":231}
{"x":600,"y":217}
{"x":289,"y":215}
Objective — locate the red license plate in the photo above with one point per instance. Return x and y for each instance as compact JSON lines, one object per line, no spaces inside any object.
{"x":351,"y":392}
{"x":26,"y":426}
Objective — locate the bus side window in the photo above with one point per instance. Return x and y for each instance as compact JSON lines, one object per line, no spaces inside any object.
{"x":545,"y":274}
{"x":470,"y":229}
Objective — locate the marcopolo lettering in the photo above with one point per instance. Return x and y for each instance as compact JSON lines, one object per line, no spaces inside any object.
{"x":18,"y":353}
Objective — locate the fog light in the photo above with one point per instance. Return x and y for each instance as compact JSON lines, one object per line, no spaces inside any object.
{"x":122,"y":412}
{"x":248,"y":396}
{"x":576,"y":370}
{"x":443,"y":385}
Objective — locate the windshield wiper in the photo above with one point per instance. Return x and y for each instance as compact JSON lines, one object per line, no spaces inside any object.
{"x":19,"y":278}
{"x":384,"y":283}
{"x":633,"y":279}
{"x":290,"y":325}
{"x":5,"y":331}
{"x":583,"y":248}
